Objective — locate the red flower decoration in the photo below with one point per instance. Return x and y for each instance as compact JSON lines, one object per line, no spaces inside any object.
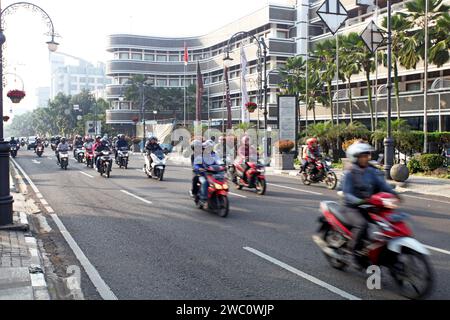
{"x":251,"y":106}
{"x":16,"y":95}
{"x":135,"y":119}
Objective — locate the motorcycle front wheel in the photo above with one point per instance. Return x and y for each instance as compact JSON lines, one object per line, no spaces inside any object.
{"x":331,"y":180}
{"x":160,"y":175}
{"x":261,"y":187}
{"x":413,"y":274}
{"x":223,"y":206}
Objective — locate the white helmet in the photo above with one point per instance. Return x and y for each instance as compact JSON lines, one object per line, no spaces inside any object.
{"x":358,"y":148}
{"x":208,"y":144}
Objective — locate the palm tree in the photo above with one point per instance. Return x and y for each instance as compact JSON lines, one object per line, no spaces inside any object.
{"x":349,"y":63}
{"x":326,"y":66}
{"x":292,"y":74}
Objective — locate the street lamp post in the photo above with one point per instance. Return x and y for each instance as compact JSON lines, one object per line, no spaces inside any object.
{"x":6,"y":200}
{"x":389,"y":141}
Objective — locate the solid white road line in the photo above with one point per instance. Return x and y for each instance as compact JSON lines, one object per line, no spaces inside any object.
{"x":87,"y":175}
{"x":420,"y":198}
{"x":303,"y":275}
{"x":438,"y":250}
{"x":102,"y":288}
{"x":289,"y":188}
{"x":136,"y":197}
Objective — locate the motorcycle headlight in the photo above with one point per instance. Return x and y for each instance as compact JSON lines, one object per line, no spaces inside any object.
{"x":390,"y":203}
{"x":225,"y":187}
{"x":218,"y":186}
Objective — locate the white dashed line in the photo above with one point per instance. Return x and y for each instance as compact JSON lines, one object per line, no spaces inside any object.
{"x":438,"y":250}
{"x":301,"y":190}
{"x":136,"y":197}
{"x":87,"y":175}
{"x":420,"y":198}
{"x":238,"y":195}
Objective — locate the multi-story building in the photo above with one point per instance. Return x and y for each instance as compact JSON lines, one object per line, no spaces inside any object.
{"x":289,"y":30}
{"x":160,"y":60}
{"x":71,"y":79}
{"x":43,"y":96}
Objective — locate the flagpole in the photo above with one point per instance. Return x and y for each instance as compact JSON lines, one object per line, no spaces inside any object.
{"x":184,"y":82}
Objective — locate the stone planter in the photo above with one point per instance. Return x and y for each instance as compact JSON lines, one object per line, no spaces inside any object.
{"x":283,"y":161}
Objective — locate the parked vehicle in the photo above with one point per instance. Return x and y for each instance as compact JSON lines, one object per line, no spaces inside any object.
{"x":322,"y":173}
{"x":123,"y":157}
{"x":254,"y":177}
{"x":64,"y":159}
{"x":389,"y":243}
{"x":105,"y":164}
{"x":217,"y":192}
{"x":157,"y":166}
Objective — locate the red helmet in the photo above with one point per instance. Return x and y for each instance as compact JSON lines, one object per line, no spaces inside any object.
{"x":245,"y":140}
{"x":311,"y":142}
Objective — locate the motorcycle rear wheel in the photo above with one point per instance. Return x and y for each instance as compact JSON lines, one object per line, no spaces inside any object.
{"x":305,"y":179}
{"x":335,"y":263}
{"x":406,"y":276}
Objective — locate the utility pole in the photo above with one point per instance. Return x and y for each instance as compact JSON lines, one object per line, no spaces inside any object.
{"x":425,"y":84}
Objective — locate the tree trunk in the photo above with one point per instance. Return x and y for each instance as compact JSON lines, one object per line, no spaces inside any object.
{"x":330,"y":101}
{"x":350,"y":97}
{"x":369,"y":89}
{"x":397,"y":90}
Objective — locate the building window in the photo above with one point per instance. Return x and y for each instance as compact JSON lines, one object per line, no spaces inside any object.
{"x":174,"y":83}
{"x":413,"y":86}
{"x":282,"y":34}
{"x":149,"y":57}
{"x":161,"y":82}
{"x":161,"y":58}
{"x":174,"y":58}
{"x":136,"y":56}
{"x":124,"y":56}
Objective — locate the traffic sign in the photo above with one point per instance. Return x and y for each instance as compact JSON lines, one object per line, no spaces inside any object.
{"x":372,"y":36}
{"x":333,"y":14}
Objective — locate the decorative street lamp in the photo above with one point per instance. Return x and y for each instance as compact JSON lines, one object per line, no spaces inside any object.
{"x":6,"y":200}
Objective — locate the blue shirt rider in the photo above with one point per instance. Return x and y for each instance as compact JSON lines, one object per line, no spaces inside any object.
{"x":201,"y":162}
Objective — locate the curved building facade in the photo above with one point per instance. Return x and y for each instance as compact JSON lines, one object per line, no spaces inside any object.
{"x":160,"y":60}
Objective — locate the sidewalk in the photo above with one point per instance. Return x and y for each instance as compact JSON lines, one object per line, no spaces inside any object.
{"x":21,"y":275}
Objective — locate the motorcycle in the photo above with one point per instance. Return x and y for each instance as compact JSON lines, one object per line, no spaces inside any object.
{"x":13,"y":151}
{"x":254,"y":178}
{"x":122,"y":158}
{"x":79,"y":154}
{"x":158,"y":165}
{"x":217,"y":191}
{"x":22,"y":143}
{"x":322,"y":173}
{"x":53,"y":145}
{"x":39,"y":150}
{"x":105,"y":164}
{"x":89,"y":158}
{"x":389,"y":243}
{"x":64,"y":159}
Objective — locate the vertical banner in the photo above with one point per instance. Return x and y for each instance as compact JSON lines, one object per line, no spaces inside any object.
{"x":245,"y":99}
{"x":288,"y":118}
{"x":228,"y":98}
{"x":198,"y":109}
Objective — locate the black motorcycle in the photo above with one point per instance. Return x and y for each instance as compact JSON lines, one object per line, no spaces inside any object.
{"x":105,"y":163}
{"x":122,"y":158}
{"x":321,"y":172}
{"x":13,"y":150}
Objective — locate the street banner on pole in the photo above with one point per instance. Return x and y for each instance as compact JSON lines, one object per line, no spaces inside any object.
{"x":200,"y":88}
{"x":90,"y":128}
{"x":372,"y":36}
{"x":333,"y":14}
{"x":245,"y":99}
{"x":287,"y":117}
{"x":228,"y":99}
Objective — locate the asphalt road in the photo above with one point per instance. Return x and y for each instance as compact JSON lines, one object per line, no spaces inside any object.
{"x":160,"y":246}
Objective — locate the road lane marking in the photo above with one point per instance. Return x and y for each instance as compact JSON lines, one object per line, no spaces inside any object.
{"x":87,"y":175}
{"x":238,"y":195}
{"x":420,"y":198}
{"x":301,"y":190}
{"x":303,"y":275}
{"x":36,"y":162}
{"x":103,"y":289}
{"x":438,"y":250}
{"x":136,"y":197}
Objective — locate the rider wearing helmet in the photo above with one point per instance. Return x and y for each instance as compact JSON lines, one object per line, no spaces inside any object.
{"x":119,"y":144}
{"x":63,"y":146}
{"x":152,"y":146}
{"x":208,"y":158}
{"x":311,"y":154}
{"x":103,"y":145}
{"x":246,"y":153}
{"x":360,"y":182}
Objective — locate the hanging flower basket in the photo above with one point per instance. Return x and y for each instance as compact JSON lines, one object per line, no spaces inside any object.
{"x":135,"y":119}
{"x":251,"y":107}
{"x":5,"y":119}
{"x":16,"y":95}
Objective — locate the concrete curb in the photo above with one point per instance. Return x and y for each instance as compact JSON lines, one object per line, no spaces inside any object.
{"x":36,"y":271}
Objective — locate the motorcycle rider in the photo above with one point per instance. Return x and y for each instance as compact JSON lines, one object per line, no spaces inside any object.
{"x":77,"y":144}
{"x":39,"y":142}
{"x":63,"y":146}
{"x":98,"y":148}
{"x":119,"y":144}
{"x":152,"y":146}
{"x":311,"y":154}
{"x":201,"y":162}
{"x":360,"y":182}
{"x":246,"y":153}
{"x":13,"y":142}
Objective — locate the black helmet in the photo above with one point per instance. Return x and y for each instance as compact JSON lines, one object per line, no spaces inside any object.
{"x":63,"y":139}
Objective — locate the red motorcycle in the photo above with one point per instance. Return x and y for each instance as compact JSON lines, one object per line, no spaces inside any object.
{"x":254,"y":177}
{"x":389,"y":243}
{"x":90,"y":158}
{"x":217,"y":191}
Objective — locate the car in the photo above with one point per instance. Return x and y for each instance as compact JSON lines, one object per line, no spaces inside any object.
{"x":31,"y":143}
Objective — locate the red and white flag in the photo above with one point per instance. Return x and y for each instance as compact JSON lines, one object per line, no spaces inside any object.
{"x":186,"y":54}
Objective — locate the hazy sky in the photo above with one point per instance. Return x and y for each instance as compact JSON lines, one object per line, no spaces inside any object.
{"x":84,"y":25}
